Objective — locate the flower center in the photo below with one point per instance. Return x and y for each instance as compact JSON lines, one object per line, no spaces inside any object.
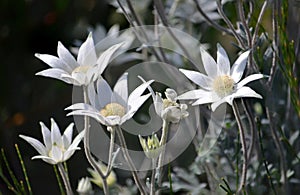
{"x":50,"y":154}
{"x":167,"y":103}
{"x":82,"y":69}
{"x":113,"y":109}
{"x":223,"y":85}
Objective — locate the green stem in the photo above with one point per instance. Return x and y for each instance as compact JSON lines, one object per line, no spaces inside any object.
{"x":65,"y":178}
{"x":244,"y":148}
{"x":162,"y":143}
{"x":23,"y":169}
{"x":86,"y":141}
{"x":129,"y":160}
{"x":62,"y":192}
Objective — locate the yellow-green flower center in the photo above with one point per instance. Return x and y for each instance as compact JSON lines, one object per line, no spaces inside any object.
{"x":223,"y":85}
{"x":62,"y":148}
{"x":113,"y":109}
{"x":167,"y":103}
{"x":82,"y":69}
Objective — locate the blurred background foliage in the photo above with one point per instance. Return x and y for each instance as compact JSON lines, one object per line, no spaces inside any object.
{"x":35,"y":26}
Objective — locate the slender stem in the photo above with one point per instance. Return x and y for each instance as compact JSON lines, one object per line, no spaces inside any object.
{"x":264,"y":158}
{"x":211,"y":22}
{"x":138,"y":23}
{"x":86,"y":141}
{"x":274,"y":42}
{"x":244,"y":148}
{"x":129,"y":160}
{"x":162,"y":143}
{"x":24,"y":169}
{"x":112,"y":131}
{"x":229,"y":24}
{"x":65,"y":179}
{"x":263,"y":9}
{"x":160,"y":10}
{"x":62,"y":192}
{"x":152,"y":186}
{"x":279,"y":148}
{"x":252,"y":128}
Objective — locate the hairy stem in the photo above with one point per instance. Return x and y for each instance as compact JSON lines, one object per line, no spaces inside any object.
{"x":129,"y":161}
{"x":162,"y":143}
{"x":112,"y":131}
{"x":86,"y":141}
{"x":152,"y":186}
{"x":244,"y":148}
{"x":65,"y":179}
{"x":211,"y":22}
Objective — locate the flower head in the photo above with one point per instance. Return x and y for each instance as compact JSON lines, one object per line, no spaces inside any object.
{"x":221,"y":84}
{"x":84,"y":186}
{"x":58,"y":148}
{"x":151,"y":146}
{"x":86,"y":69}
{"x":96,"y":178}
{"x":112,"y":107}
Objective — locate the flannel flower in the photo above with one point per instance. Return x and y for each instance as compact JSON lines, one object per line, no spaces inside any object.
{"x":112,"y":107}
{"x":58,"y":148}
{"x":86,"y":69}
{"x":221,"y":84}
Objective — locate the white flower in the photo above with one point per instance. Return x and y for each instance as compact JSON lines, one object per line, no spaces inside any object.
{"x":168,"y":109}
{"x":84,"y":186}
{"x":112,"y":107}
{"x":86,"y":69}
{"x":221,"y":84}
{"x":58,"y":148}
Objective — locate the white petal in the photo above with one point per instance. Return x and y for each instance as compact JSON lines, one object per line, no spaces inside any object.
{"x":86,"y":54}
{"x":45,"y":158}
{"x":77,"y":140}
{"x":105,"y":57}
{"x":46,"y":135}
{"x":238,"y":67}
{"x":249,"y":79}
{"x":57,"y":154}
{"x":193,"y":94}
{"x":135,"y":94}
{"x":67,"y":155}
{"x":223,"y":61}
{"x":158,"y":104}
{"x":71,"y":79}
{"x":246,"y":92}
{"x":216,"y":104}
{"x":66,"y":56}
{"x":92,"y":114}
{"x":53,"y":61}
{"x":121,"y":89}
{"x":67,"y":136}
{"x":209,"y":98}
{"x":105,"y":94}
{"x":134,"y":107}
{"x":55,"y":73}
{"x":81,"y":106}
{"x":92,"y":97}
{"x":209,"y":64}
{"x":55,"y":134}
{"x":38,"y":146}
{"x":198,"y":78}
